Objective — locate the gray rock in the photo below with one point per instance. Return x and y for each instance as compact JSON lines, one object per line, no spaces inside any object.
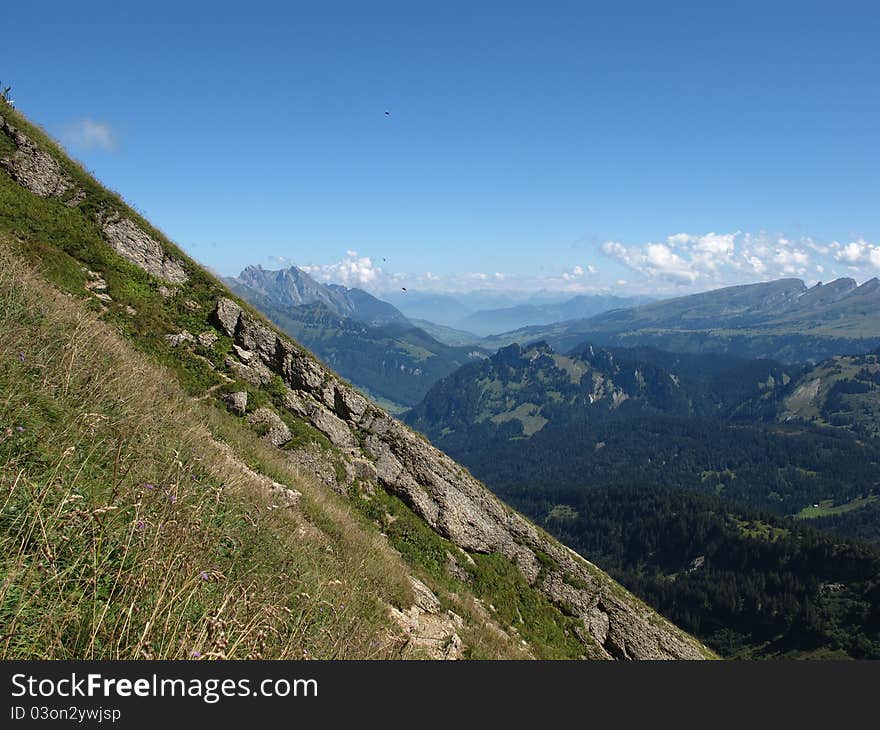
{"x":246,"y":356}
{"x":169,"y":291}
{"x":278,"y":433}
{"x":78,"y":197}
{"x":181,"y":338}
{"x":424,"y":597}
{"x":237,"y":401}
{"x":255,"y":374}
{"x":456,"y":570}
{"x":132,"y":243}
{"x":208,"y":338}
{"x":226,"y":316}
{"x":332,"y":427}
{"x":32,"y":168}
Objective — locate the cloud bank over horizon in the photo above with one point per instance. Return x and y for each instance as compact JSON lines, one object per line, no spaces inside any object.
{"x":681,"y":263}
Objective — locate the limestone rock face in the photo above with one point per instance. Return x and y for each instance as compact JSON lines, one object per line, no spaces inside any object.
{"x":32,"y":168}
{"x":614,"y":623}
{"x":134,"y":244}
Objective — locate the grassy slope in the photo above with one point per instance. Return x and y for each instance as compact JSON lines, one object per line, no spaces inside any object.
{"x":128,"y":530}
{"x":153,"y":425}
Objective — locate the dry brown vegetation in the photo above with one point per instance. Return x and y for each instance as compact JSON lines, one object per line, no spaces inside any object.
{"x":129,"y":529}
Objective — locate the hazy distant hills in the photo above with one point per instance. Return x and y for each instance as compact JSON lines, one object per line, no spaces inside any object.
{"x":783,"y":320}
{"x":493,"y":321}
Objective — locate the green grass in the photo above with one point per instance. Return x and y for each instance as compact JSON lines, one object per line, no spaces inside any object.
{"x":127,"y":531}
{"x":494,"y":579}
{"x":760,"y":530}
{"x":827,"y":507}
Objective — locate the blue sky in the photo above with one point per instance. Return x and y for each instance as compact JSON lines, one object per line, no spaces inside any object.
{"x":632,"y":147}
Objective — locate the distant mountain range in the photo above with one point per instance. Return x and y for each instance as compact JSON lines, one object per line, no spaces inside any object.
{"x":783,"y":320}
{"x":493,"y":321}
{"x":293,"y":287}
{"x":487,"y":313}
{"x":364,"y":339}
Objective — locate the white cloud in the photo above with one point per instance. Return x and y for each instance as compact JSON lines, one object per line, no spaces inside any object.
{"x":679,"y":263}
{"x":716,"y":259}
{"x":858,"y":253}
{"x":353,"y":270}
{"x":88,"y":134}
{"x":654,"y":260}
{"x":576,"y":273}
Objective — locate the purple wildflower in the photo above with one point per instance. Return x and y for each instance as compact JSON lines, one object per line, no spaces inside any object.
{"x":203,"y":575}
{"x":140,"y":525}
{"x":150,"y":486}
{"x":195,"y":654}
{"x":21,"y":357}
{"x":20,"y":429}
{"x":172,"y":498}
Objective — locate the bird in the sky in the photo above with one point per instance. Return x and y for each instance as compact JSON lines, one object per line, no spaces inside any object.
{"x":387,"y":113}
{"x":403,"y":288}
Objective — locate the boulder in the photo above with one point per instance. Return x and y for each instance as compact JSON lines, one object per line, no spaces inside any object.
{"x":237,"y":402}
{"x":278,"y":432}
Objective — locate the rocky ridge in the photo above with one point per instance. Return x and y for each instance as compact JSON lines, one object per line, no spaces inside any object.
{"x":614,"y":623}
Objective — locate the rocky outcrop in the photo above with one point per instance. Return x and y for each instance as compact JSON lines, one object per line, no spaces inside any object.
{"x":277,"y":431}
{"x":34,"y":169}
{"x":134,"y":244}
{"x":429,"y":630}
{"x":237,"y":402}
{"x":614,"y":623}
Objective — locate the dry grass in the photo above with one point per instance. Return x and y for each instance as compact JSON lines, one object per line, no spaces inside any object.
{"x":128,"y":530}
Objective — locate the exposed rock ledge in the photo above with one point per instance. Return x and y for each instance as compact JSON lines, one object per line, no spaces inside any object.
{"x":614,"y":623}
{"x":132,"y":243}
{"x":32,"y":168}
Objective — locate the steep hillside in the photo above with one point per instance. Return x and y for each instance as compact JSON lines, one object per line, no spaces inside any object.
{"x":782,"y":320}
{"x":843,"y":392}
{"x":490,"y":582}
